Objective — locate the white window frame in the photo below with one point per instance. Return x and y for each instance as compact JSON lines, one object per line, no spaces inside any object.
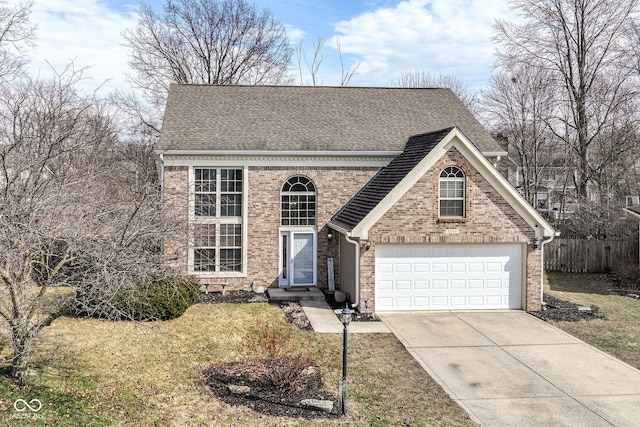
{"x":453,"y":176}
{"x":217,"y":221}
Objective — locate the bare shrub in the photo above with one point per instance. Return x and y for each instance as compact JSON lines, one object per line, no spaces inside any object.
{"x":287,"y":373}
{"x":268,"y":341}
{"x":627,"y":271}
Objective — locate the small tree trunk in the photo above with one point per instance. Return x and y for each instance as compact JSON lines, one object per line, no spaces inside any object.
{"x":20,"y":357}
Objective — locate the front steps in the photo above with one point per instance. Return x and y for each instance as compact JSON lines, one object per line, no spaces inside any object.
{"x":294,"y":294}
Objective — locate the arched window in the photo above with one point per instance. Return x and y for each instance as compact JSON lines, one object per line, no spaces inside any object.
{"x":298,"y":198}
{"x":452,"y":192}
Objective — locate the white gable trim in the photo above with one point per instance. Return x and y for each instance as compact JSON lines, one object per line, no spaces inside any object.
{"x":455,"y":139}
{"x":631,"y":214}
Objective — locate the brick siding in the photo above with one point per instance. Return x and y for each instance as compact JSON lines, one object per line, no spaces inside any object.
{"x":489,"y":219}
{"x":414,"y":219}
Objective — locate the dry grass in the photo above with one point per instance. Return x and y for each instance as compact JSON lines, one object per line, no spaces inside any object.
{"x":93,"y":372}
{"x":619,"y":334}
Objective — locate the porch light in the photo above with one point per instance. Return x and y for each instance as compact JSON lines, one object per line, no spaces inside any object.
{"x":329,"y":235}
{"x":536,"y":243}
{"x":367,"y":245}
{"x":345,"y":318}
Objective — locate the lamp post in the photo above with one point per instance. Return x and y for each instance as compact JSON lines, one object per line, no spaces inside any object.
{"x":345,"y":318}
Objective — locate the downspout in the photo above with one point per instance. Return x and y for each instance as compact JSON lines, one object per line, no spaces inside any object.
{"x":357,"y":248}
{"x":542,"y":243}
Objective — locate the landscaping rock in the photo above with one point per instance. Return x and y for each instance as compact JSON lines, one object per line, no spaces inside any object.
{"x":309,"y":371}
{"x":239,"y":389}
{"x":322,"y":405}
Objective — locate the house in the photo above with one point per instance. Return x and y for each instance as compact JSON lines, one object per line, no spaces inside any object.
{"x":388,"y":194}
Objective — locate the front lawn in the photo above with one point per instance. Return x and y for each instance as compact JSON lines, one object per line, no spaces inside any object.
{"x":93,"y":372}
{"x":619,"y":333}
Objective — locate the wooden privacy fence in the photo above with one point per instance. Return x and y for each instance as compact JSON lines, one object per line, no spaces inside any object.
{"x":588,"y":256}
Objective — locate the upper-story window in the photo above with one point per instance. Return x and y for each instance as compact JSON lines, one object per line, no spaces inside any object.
{"x":217,"y":221}
{"x":452,"y":197}
{"x":218,"y":192}
{"x":298,"y":205}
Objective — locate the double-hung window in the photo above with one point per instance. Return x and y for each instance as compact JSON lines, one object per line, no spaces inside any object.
{"x":452,"y":194}
{"x":216,"y":221}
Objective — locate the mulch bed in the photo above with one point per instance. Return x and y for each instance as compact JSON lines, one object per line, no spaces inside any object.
{"x":263,"y":394}
{"x":274,"y":388}
{"x":565,"y":311}
{"x":357,"y":316}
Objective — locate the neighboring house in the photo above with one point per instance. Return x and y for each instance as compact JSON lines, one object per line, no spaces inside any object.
{"x":552,"y":190}
{"x":395,"y":186}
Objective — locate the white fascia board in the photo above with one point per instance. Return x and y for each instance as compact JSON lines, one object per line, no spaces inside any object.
{"x":631,"y":214}
{"x":339,"y":229}
{"x":277,"y":153}
{"x":495,"y":153}
{"x":376,"y":159}
{"x":541,"y":227}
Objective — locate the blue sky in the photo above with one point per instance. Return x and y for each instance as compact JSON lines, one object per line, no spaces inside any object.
{"x":388,"y":37}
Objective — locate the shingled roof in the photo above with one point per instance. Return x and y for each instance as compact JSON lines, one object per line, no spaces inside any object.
{"x":387,"y":179}
{"x":316,"y":118}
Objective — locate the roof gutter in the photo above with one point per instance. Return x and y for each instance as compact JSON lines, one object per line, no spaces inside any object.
{"x":297,"y":153}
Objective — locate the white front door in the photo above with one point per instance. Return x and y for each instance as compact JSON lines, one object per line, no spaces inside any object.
{"x":298,"y":263}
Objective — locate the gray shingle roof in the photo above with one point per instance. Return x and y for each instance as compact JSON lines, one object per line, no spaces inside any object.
{"x":381,"y":184}
{"x":310,"y":118}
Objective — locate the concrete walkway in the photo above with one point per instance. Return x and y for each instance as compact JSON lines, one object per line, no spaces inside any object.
{"x":325,"y":321}
{"x":508,"y":368}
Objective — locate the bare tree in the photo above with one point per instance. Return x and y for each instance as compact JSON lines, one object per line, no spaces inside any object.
{"x":517,"y":104}
{"x":311,"y":64}
{"x":418,"y":78}
{"x":80,"y":214}
{"x":16,"y":34}
{"x":317,"y":59}
{"x":585,"y":44}
{"x":206,"y":42}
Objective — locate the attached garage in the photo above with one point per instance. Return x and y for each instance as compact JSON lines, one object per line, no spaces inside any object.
{"x":448,"y":276}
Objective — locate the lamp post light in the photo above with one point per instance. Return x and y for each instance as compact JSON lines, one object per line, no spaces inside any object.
{"x":345,"y":318}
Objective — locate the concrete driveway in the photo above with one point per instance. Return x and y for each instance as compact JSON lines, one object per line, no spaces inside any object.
{"x":508,"y":368}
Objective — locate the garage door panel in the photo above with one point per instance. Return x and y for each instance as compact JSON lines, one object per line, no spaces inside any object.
{"x":494,"y":284}
{"x":403,"y":284}
{"x":384,"y":267}
{"x":436,"y":277}
{"x":421,"y":284}
{"x":476,"y":284}
{"x":458,"y":284}
{"x":383,"y":285}
{"x":420,"y":267}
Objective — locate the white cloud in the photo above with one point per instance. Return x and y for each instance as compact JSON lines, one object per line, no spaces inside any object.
{"x":87,"y":32}
{"x":439,"y":36}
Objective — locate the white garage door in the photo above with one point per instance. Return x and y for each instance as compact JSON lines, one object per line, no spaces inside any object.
{"x":445,"y":277}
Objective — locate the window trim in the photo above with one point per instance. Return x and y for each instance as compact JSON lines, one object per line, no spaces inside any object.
{"x":310,"y":190}
{"x":463,"y":198}
{"x":218,"y":220}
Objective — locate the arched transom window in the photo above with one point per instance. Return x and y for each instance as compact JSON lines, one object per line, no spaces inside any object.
{"x":452,"y":192}
{"x":298,"y":202}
